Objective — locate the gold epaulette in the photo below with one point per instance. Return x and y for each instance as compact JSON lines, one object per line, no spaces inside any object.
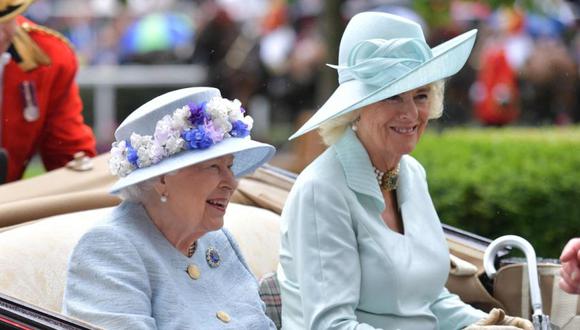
{"x":31,"y":55}
{"x":34,"y":27}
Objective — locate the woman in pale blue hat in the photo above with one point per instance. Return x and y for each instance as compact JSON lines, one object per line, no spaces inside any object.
{"x":362,"y":246}
{"x":161,"y":259}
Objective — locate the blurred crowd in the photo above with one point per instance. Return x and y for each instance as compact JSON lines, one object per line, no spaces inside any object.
{"x":271,"y":54}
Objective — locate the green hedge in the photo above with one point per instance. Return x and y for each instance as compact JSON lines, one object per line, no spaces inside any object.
{"x":495,"y":182}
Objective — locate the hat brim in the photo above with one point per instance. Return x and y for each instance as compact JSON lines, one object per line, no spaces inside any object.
{"x":448,"y":58}
{"x":248,"y":156}
{"x":12,"y":11}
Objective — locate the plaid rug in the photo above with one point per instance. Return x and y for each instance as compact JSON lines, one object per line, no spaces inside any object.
{"x":270,"y":294}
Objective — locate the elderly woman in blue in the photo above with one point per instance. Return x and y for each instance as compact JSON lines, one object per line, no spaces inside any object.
{"x":362,"y":246}
{"x":161,"y":260}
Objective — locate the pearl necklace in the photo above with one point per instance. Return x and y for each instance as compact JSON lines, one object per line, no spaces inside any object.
{"x":387,"y":180}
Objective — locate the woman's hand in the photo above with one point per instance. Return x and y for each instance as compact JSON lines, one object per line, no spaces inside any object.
{"x":497,"y":320}
{"x":570,"y":271}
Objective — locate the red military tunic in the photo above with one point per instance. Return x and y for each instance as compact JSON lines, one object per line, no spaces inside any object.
{"x":59,"y":131}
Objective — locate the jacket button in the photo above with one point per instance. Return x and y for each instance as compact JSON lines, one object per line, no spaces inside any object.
{"x":223,"y":316}
{"x":193,"y":272}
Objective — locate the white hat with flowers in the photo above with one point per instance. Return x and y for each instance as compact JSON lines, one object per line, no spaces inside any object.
{"x":183,"y":128}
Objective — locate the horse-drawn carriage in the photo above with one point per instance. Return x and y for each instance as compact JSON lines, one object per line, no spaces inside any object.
{"x":42,"y":218}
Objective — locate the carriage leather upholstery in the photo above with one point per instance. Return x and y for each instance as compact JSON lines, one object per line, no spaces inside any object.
{"x":33,"y":257}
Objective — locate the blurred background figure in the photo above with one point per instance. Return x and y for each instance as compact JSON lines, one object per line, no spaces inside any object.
{"x":495,"y":93}
{"x":156,"y":38}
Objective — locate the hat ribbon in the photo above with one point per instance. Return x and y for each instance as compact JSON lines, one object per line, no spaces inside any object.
{"x":377,"y":62}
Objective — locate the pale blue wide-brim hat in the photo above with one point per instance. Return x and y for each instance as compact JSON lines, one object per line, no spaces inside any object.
{"x":382,"y":55}
{"x":248,"y":154}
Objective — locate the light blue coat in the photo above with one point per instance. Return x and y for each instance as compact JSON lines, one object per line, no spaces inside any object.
{"x":124,"y":274}
{"x":341,"y":267}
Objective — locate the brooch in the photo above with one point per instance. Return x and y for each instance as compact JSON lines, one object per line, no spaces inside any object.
{"x":212,"y":257}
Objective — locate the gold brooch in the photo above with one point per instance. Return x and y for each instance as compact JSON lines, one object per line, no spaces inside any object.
{"x":389,"y":180}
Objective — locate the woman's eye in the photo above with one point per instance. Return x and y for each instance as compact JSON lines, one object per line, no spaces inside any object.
{"x":422,"y":97}
{"x":395,"y":98}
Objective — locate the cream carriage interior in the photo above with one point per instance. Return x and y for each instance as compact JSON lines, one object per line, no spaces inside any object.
{"x":42,"y":218}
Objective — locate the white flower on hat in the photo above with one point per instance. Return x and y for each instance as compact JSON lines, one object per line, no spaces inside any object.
{"x":156,"y":152}
{"x":180,"y":119}
{"x":174,"y":144}
{"x":118,"y":164}
{"x":218,"y":109}
{"x":249,"y":121}
{"x":142,"y":144}
{"x":234,"y":110}
{"x":167,"y":134}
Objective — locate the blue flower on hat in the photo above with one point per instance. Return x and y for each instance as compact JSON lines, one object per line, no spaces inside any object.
{"x":198,"y":113}
{"x":197,"y":138}
{"x":239,"y":129}
{"x":132,"y":156}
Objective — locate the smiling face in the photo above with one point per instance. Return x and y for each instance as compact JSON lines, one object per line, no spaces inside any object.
{"x":392,"y":127}
{"x":199,"y":194}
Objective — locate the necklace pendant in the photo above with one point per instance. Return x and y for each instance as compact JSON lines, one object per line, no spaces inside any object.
{"x":389,"y":180}
{"x":212,"y":257}
{"x":390,"y":183}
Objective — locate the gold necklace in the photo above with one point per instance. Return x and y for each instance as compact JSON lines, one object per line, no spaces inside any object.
{"x":387,"y":180}
{"x":191,"y":249}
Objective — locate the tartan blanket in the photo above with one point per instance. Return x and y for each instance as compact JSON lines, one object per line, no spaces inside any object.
{"x":270,"y":294}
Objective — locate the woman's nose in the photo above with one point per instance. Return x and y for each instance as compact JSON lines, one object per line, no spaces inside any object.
{"x":408,"y":110}
{"x":229,"y":181}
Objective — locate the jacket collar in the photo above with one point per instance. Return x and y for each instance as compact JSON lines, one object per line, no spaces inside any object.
{"x":358,"y":168}
{"x":359,"y":172}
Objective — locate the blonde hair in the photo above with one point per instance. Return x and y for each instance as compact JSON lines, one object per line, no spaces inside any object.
{"x":333,"y":129}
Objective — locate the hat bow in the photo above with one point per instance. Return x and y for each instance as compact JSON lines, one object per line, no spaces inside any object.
{"x":377,"y":62}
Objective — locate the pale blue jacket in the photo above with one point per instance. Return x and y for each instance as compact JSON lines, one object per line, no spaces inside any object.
{"x":341,"y":267}
{"x":124,"y":274}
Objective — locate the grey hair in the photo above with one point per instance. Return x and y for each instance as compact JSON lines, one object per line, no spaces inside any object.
{"x":138,"y":192}
{"x":333,"y":129}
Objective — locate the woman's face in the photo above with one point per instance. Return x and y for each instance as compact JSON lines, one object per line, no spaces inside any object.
{"x":392,"y":127}
{"x":199,"y":194}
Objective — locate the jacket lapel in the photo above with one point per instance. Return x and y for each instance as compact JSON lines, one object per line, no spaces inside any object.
{"x":357,"y":168}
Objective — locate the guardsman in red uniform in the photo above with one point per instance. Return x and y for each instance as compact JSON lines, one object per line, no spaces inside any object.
{"x":40,"y":105}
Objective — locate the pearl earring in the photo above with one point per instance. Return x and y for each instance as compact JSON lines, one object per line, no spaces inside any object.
{"x":163,"y":198}
{"x":354,"y":124}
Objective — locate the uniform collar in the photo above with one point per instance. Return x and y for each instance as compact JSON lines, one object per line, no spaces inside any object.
{"x":14,"y":54}
{"x":358,"y":168}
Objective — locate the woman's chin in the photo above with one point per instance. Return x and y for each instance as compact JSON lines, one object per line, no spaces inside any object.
{"x":216,"y":224}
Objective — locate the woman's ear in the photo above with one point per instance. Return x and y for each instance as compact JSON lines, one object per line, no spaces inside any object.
{"x":160,"y":185}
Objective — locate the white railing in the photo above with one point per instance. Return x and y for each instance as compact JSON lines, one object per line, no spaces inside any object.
{"x":105,"y":80}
